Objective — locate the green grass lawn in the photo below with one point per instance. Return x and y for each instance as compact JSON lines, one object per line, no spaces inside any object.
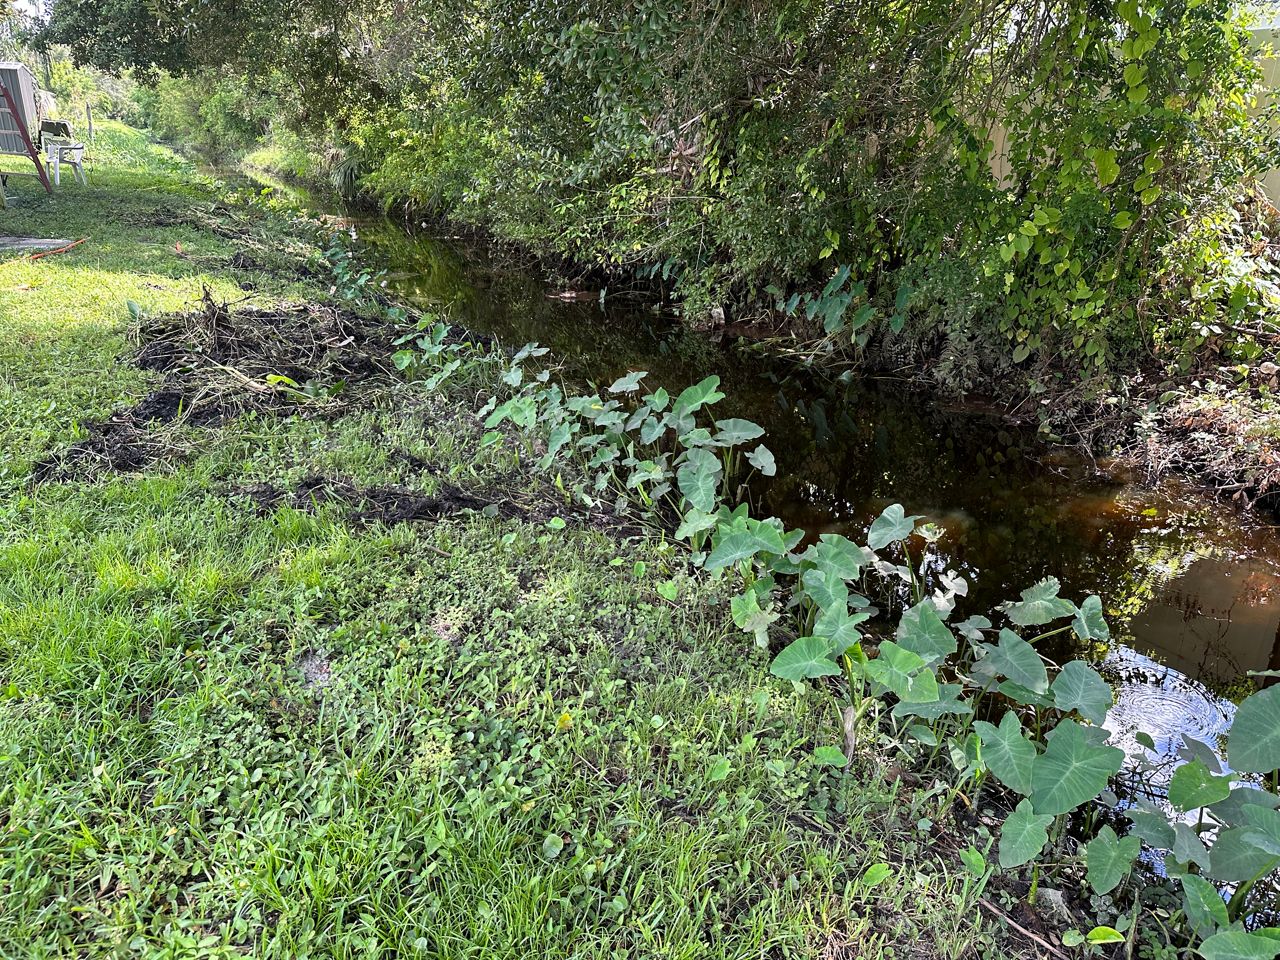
{"x":229,"y":730}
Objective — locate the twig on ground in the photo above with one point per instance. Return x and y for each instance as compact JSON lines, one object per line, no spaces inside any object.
{"x":1034,"y":937}
{"x":50,"y":253}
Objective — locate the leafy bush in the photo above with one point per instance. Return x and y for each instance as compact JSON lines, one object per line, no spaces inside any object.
{"x":218,"y":117}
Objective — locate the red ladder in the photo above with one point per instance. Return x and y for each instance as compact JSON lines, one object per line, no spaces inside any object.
{"x":11,"y":109}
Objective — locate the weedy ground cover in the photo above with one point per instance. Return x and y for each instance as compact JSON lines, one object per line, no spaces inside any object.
{"x":246,"y":712}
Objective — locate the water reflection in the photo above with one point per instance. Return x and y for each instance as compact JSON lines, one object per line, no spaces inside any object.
{"x":1167,"y":705}
{"x":1192,"y":591}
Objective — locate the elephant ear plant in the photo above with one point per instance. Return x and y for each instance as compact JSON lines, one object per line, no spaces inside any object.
{"x":974,"y":703}
{"x":634,"y":449}
{"x":1041,"y":737}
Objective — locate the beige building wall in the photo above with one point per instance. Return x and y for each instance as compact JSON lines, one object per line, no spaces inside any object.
{"x":1266,"y":38}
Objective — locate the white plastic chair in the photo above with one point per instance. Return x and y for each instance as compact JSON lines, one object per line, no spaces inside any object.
{"x":57,"y":152}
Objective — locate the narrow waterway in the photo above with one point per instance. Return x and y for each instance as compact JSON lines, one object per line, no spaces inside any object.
{"x":1192,"y":589}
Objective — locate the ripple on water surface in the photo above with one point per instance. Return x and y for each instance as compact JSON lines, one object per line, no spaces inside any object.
{"x":1155,"y":699}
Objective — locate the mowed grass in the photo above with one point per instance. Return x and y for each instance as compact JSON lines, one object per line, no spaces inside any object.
{"x":230,"y":731}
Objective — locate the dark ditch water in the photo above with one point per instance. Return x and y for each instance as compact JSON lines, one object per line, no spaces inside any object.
{"x":1192,"y":589}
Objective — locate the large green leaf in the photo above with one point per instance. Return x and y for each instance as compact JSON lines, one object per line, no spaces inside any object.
{"x":840,"y":627}
{"x":904,"y":673}
{"x":1079,"y":687}
{"x":840,"y":554}
{"x":948,"y":702}
{"x":1040,"y":604}
{"x":804,"y":659}
{"x":1239,"y":945}
{"x":1203,"y":904}
{"x":742,"y":541}
{"x":651,"y":429}
{"x":762,"y":459}
{"x":1008,"y":754}
{"x":1253,"y":745}
{"x":1263,"y":828}
{"x":1193,"y":786}
{"x":1236,"y":858}
{"x":698,"y":478}
{"x":1188,"y":847}
{"x":735,"y":431}
{"x":826,"y":587}
{"x":1090,"y":624}
{"x":695,"y":522}
{"x":630,"y":383}
{"x":699,"y":395}
{"x":1231,"y":810}
{"x":890,"y":527}
{"x":1110,"y":858}
{"x":922,"y":632}
{"x":1023,"y":836}
{"x":1016,"y":659}
{"x":1152,"y":826}
{"x":1020,"y":694}
{"x":1073,"y":770}
{"x":658,"y":400}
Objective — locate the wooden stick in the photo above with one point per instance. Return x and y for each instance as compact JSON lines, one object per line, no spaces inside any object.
{"x":1034,"y":937}
{"x":50,"y":253}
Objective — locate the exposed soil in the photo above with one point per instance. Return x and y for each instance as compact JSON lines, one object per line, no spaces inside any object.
{"x":121,"y":444}
{"x":375,"y":504}
{"x":218,"y":362}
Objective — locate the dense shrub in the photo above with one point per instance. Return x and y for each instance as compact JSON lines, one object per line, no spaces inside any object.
{"x":215,"y":116}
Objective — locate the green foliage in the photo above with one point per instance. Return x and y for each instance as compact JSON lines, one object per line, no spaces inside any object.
{"x":216,"y":116}
{"x":923,"y":687}
{"x":917,"y":178}
{"x":1053,"y":213}
{"x":1254,"y":744}
{"x":1040,"y":605}
{"x":1079,"y":687}
{"x":891,"y":526}
{"x":236,"y":731}
{"x":1206,"y":910}
{"x":1074,"y":769}
{"x":1016,"y":659}
{"x":1023,"y":836}
{"x":1110,"y":858}
{"x":804,"y":659}
{"x":1239,"y":945}
{"x":1007,"y":753}
{"x":1193,"y":786}
{"x":930,"y":696}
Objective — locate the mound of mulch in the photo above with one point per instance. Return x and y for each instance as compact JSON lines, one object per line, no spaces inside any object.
{"x":374,"y":504}
{"x":219,"y":362}
{"x":216,"y":345}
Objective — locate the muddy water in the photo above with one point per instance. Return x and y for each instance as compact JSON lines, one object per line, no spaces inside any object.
{"x":1192,"y":589}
